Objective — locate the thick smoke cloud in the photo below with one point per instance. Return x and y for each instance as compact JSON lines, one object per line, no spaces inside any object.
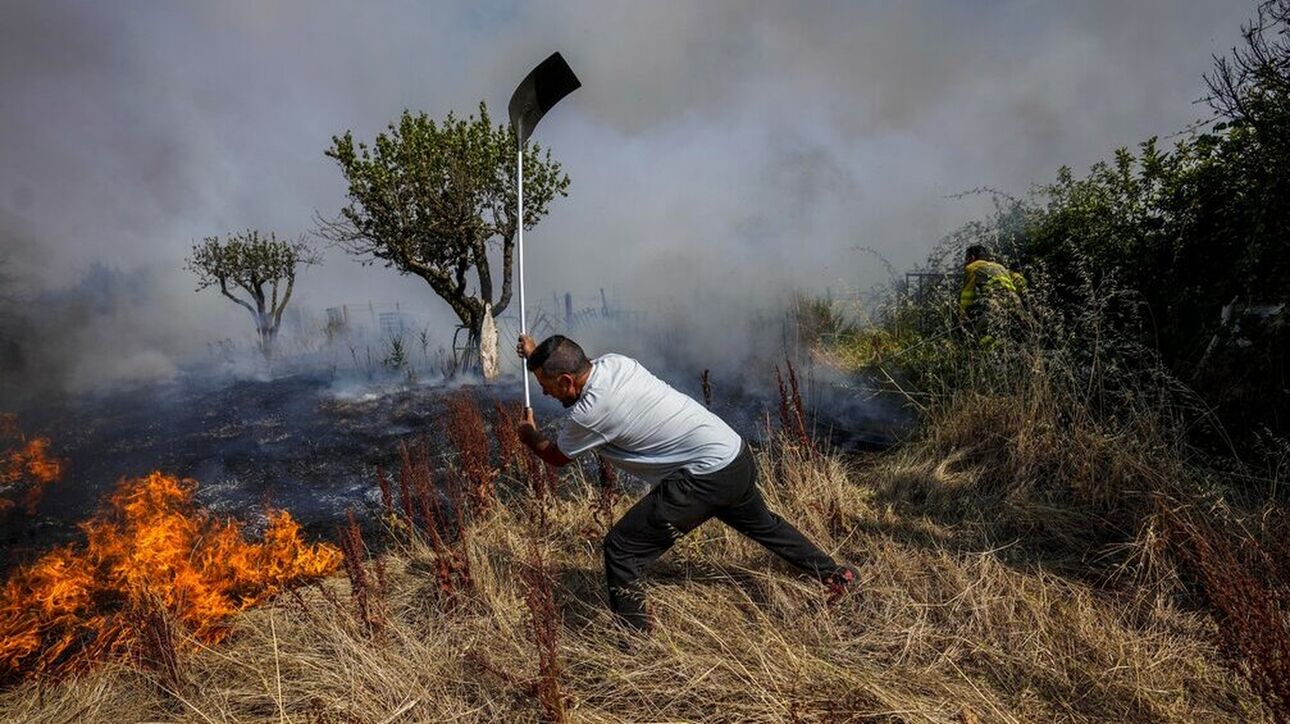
{"x":722,"y":150}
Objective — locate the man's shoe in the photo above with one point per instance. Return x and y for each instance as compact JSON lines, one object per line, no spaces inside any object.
{"x":840,"y":583}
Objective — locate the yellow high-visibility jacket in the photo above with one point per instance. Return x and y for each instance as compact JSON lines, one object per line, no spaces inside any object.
{"x":985,"y":277}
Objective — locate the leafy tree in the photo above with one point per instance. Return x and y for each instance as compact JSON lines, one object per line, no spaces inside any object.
{"x":257,"y":272}
{"x":434,"y":198}
{"x":1197,"y":227}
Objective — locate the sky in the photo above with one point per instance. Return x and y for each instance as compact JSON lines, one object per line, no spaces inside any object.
{"x":717,"y":146}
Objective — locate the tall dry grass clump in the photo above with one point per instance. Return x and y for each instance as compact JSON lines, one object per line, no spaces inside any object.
{"x":1054,"y":439}
{"x":1244,"y":578}
{"x":1040,"y":429}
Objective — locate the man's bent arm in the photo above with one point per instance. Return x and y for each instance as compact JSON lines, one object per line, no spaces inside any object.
{"x":537,"y":442}
{"x":547,"y":450}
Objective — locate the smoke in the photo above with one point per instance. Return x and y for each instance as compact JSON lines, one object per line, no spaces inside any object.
{"x":722,"y":153}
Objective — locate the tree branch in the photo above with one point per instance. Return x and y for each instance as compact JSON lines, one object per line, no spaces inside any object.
{"x":484,"y":272}
{"x":508,"y":256}
{"x":286,"y":297}
{"x":223,"y":288}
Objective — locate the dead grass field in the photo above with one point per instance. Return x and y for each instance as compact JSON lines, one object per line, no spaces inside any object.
{"x":951,"y":623}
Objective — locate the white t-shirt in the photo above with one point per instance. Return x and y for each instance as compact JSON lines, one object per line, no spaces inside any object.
{"x":644,"y":426}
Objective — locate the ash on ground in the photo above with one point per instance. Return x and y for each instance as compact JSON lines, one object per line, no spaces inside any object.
{"x":308,"y":444}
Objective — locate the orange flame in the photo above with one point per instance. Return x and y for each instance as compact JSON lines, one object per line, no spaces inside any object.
{"x":24,"y":464}
{"x":151,"y":546}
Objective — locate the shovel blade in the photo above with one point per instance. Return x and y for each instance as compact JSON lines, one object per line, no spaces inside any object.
{"x":541,"y":89}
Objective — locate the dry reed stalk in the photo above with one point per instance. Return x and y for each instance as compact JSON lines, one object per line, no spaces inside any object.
{"x":465,"y":429}
{"x":459,"y":499}
{"x":515,"y":457}
{"x":542,"y":478}
{"x":785,"y":420}
{"x":387,"y":496}
{"x":799,"y":412}
{"x":328,"y":595}
{"x":354,"y":550}
{"x":426,"y":497}
{"x":382,"y":581}
{"x":405,"y":486}
{"x":544,"y":623}
{"x":505,"y":428}
{"x":481,"y":661}
{"x":602,"y":511}
{"x":538,"y":583}
{"x":1244,"y":584}
{"x":792,"y":413}
{"x":430,"y":521}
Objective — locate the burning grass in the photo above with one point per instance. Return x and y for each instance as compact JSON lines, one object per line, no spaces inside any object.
{"x":150,"y":558}
{"x":26,"y":467}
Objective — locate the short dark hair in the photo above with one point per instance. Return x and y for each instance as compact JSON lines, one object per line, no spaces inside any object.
{"x":980,"y":251}
{"x":558,"y":355}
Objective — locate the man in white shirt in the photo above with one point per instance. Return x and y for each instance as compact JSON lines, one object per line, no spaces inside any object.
{"x":698,"y":466}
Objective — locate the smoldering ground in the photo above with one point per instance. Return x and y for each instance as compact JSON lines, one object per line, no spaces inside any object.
{"x":722,"y":154}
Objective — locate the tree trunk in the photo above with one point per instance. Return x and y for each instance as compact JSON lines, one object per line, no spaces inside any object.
{"x":266,"y":344}
{"x":268,"y":332}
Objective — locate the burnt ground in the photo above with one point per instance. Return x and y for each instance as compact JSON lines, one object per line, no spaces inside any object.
{"x":306,"y":443}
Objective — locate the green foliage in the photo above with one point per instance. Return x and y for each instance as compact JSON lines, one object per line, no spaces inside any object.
{"x":257,"y":272}
{"x":898,"y":339}
{"x":396,"y":354}
{"x":247,"y":261}
{"x":817,"y":318}
{"x":432,"y":198}
{"x":1163,"y":240}
{"x":1189,"y":231}
{"x":1134,"y":262}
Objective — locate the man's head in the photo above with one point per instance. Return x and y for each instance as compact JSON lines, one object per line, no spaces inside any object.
{"x":561,"y":368}
{"x":976,"y":252}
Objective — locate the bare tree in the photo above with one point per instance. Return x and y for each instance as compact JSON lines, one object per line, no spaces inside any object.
{"x":1251,"y":88}
{"x":257,"y":272}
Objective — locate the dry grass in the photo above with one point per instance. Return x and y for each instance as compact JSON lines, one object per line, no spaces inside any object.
{"x":1242,"y":576}
{"x":943,"y":629}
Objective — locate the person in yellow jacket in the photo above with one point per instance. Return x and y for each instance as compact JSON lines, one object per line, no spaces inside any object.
{"x":988,"y":286}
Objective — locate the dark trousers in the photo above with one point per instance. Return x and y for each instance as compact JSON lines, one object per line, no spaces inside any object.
{"x":678,"y":505}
